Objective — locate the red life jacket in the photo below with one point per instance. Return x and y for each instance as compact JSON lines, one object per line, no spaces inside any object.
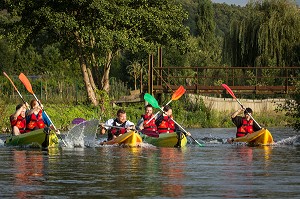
{"x":36,"y":121}
{"x":247,"y":127}
{"x":20,"y":122}
{"x":166,"y":126}
{"x":151,"y":126}
{"x":116,"y":131}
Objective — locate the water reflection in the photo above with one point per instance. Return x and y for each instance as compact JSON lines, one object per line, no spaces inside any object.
{"x":172,"y":169}
{"x":29,"y":172}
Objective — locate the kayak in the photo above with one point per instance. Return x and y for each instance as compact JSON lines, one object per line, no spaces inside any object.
{"x":131,"y":139}
{"x":261,"y":137}
{"x":164,"y":139}
{"x":41,"y":138}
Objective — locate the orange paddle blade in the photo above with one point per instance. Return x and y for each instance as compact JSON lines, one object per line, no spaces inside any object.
{"x":26,"y":82}
{"x":10,"y":81}
{"x":178,"y":93}
{"x":229,"y":90}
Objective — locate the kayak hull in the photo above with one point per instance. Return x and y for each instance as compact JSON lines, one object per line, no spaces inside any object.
{"x":41,"y":138}
{"x":261,"y":137}
{"x":165,"y":139}
{"x":131,"y":139}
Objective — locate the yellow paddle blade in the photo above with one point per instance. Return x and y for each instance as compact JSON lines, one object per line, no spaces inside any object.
{"x":26,"y":83}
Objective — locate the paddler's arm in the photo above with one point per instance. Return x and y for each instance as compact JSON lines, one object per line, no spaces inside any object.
{"x":177,"y":129}
{"x":256,"y":127}
{"x":237,"y":112}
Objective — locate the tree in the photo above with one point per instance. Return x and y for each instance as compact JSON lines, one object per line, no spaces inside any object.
{"x":268,"y":36}
{"x":95,"y":31}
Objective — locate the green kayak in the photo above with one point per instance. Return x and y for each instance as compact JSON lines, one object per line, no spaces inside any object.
{"x":42,"y":138}
{"x":164,"y":139}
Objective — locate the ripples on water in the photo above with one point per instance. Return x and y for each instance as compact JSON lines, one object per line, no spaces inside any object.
{"x":217,"y":170}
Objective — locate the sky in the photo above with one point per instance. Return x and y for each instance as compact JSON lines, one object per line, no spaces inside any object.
{"x":236,"y":2}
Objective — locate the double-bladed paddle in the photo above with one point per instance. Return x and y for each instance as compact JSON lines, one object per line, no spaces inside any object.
{"x":234,"y":97}
{"x":15,"y":88}
{"x":149,"y":98}
{"x":80,"y":120}
{"x":28,"y":86}
{"x":176,"y":95}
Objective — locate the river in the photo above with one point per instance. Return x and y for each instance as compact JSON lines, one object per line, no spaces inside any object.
{"x":217,"y":170}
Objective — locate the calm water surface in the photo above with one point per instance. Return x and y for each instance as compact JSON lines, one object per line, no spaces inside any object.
{"x":217,"y":170}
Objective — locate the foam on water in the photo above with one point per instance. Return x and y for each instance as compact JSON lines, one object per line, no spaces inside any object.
{"x":83,"y":134}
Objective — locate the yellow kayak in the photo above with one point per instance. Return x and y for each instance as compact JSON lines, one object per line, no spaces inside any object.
{"x":261,"y":137}
{"x":165,"y":139}
{"x":131,"y":139}
{"x":42,"y":138}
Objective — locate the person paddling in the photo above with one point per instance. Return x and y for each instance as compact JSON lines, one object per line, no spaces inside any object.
{"x":18,"y":120}
{"x":117,"y":126}
{"x":244,"y":124}
{"x":36,"y":118}
{"x":146,"y":124}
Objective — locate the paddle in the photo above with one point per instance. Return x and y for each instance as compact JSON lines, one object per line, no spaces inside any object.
{"x":80,"y":120}
{"x":27,"y":85}
{"x":149,"y":98}
{"x":232,"y":94}
{"x":176,"y":95}
{"x":15,"y":88}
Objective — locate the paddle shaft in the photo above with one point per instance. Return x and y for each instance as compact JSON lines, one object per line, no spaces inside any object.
{"x":15,"y":87}
{"x":186,"y":132}
{"x":158,"y":112}
{"x":50,"y":120}
{"x":183,"y":129}
{"x":248,"y":113}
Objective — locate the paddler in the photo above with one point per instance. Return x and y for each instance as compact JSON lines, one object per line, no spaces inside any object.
{"x":37,"y":119}
{"x":165,"y":123}
{"x":147,"y":120}
{"x":18,"y":119}
{"x":244,"y":124}
{"x":117,"y":126}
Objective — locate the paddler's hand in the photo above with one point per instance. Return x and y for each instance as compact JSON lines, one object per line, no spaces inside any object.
{"x":57,"y":132}
{"x":27,"y":106}
{"x":130,"y":128}
{"x":188,"y":134}
{"x":102,"y":128}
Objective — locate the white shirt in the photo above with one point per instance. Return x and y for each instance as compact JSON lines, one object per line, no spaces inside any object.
{"x":110,"y":122}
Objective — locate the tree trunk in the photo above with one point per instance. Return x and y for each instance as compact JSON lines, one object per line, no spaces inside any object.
{"x":91,"y":79}
{"x":105,"y":77}
{"x":90,"y":92}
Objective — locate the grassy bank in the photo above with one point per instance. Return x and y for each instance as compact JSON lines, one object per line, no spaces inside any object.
{"x":188,"y":115}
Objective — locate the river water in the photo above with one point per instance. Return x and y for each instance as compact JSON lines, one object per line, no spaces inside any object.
{"x":217,"y":170}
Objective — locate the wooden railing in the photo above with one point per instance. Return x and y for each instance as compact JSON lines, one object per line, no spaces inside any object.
{"x":208,"y":80}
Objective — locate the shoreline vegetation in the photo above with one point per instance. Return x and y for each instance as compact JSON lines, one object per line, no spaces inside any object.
{"x":187,"y":114}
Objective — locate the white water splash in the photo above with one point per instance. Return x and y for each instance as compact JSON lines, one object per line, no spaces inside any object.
{"x":295,"y":140}
{"x":83,"y":134}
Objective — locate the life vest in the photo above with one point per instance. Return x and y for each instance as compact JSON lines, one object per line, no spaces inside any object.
{"x":20,"y":122}
{"x":116,"y":131}
{"x":247,"y":127}
{"x":36,"y":121}
{"x":151,"y":126}
{"x":166,"y":126}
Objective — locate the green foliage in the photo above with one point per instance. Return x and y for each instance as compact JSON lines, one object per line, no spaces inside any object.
{"x":292,"y":108}
{"x":268,"y":36}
